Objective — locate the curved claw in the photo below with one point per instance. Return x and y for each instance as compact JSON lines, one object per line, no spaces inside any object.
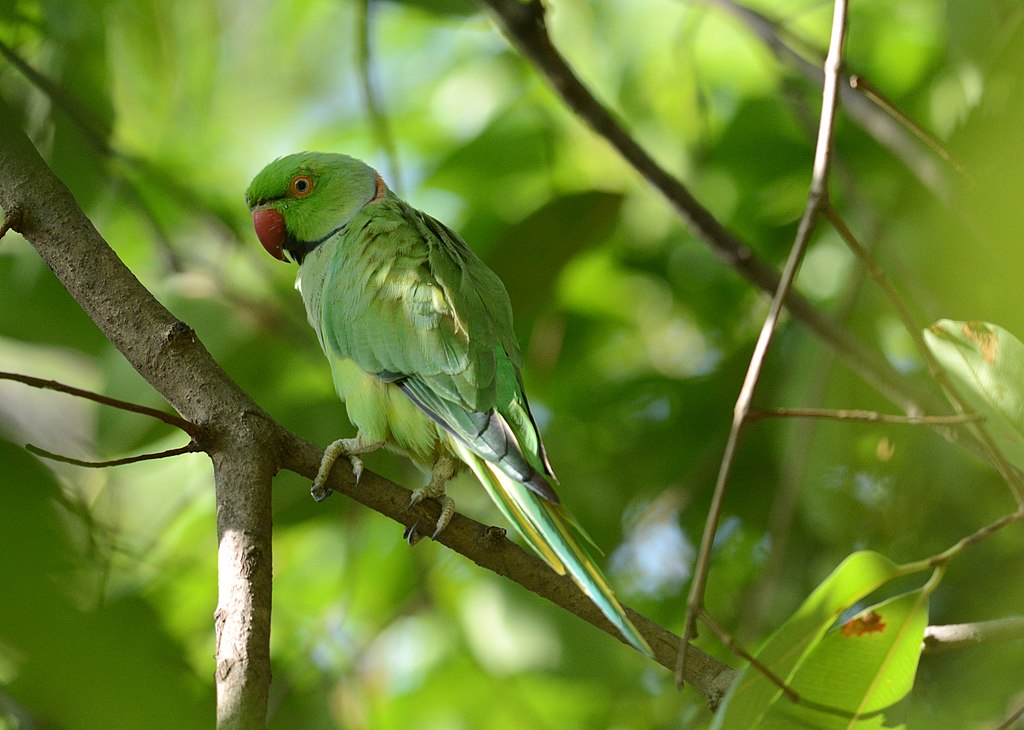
{"x":410,"y":535}
{"x":350,"y":449}
{"x":319,"y":492}
{"x":446,"y":502}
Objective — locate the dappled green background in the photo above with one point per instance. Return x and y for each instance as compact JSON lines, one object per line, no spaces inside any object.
{"x":157,"y":115}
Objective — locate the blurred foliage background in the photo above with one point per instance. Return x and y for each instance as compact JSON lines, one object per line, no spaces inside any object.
{"x":158,"y":114}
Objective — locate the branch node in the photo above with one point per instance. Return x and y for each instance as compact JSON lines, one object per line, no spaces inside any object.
{"x":13,"y":219}
{"x":179,"y":331}
{"x":494,"y":533}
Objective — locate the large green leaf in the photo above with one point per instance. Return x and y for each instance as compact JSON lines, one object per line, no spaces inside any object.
{"x":858,"y":670}
{"x":986,"y":364}
{"x":798,"y":644}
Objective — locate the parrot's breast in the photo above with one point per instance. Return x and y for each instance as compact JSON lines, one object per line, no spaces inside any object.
{"x":383,"y":413}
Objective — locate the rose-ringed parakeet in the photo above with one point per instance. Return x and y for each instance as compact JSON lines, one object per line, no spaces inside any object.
{"x":418,"y":333}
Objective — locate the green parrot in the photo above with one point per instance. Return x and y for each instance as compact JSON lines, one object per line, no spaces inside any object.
{"x":418,"y":333}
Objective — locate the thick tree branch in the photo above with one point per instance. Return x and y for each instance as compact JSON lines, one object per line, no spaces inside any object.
{"x":167,"y":354}
{"x":247,"y":446}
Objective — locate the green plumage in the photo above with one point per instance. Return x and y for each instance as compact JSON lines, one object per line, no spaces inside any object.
{"x":418,"y":333}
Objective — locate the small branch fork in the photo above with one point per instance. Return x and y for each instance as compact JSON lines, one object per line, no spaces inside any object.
{"x":195,"y":432}
{"x":816,"y":200}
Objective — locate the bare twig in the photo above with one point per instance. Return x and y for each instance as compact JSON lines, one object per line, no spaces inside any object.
{"x":817,"y":198}
{"x":525,"y":26}
{"x":974,"y":538}
{"x":960,"y":636}
{"x":177,"y":421}
{"x":93,"y":132}
{"x":190,"y":448}
{"x":859,"y":415}
{"x":793,"y":51}
{"x":992,"y":451}
{"x":876,"y":97}
{"x":734,"y":646}
{"x":77,"y":113}
{"x":1012,"y":719}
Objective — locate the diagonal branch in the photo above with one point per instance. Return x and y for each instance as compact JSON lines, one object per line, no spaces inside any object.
{"x":167,"y":354}
{"x":490,"y":549}
{"x":247,"y":447}
{"x":817,"y":199}
{"x":524,"y":24}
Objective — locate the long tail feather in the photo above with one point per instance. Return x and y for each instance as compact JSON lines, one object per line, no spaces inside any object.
{"x":544,"y":528}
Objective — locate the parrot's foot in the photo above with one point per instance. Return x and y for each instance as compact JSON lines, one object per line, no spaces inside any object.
{"x":350,"y":448}
{"x":444,"y":469}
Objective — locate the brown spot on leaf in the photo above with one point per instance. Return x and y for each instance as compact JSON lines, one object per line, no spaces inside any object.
{"x":988,"y":341}
{"x":869,"y":623}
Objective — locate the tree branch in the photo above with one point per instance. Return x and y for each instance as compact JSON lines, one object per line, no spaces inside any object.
{"x":124,"y":405}
{"x":524,"y":25}
{"x":817,"y":199}
{"x":167,"y":354}
{"x":959,"y":636}
{"x":247,"y":447}
{"x":490,"y":549}
{"x":190,"y":448}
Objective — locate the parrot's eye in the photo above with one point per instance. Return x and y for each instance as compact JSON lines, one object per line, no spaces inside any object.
{"x":301,"y":186}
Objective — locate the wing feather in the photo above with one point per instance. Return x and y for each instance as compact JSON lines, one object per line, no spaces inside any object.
{"x":412,"y":303}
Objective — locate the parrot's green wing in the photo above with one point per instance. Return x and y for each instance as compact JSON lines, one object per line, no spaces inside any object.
{"x":405,"y":299}
{"x":428,"y":315}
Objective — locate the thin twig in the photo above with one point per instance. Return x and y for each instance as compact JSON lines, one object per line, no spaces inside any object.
{"x":876,"y":97}
{"x":935,"y":369}
{"x":92,"y":131}
{"x":524,"y":24}
{"x":817,"y":198}
{"x":975,"y":537}
{"x":177,"y":421}
{"x":794,"y":51}
{"x":734,"y":646}
{"x":190,"y":448}
{"x":959,"y":636}
{"x":1012,"y":719}
{"x":860,"y":415}
{"x":87,"y":124}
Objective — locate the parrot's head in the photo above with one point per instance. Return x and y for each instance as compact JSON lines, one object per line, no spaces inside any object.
{"x":301,"y":200}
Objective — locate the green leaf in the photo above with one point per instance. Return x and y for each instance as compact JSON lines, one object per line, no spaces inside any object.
{"x":986,"y":364}
{"x":753,"y":696}
{"x":859,"y":669}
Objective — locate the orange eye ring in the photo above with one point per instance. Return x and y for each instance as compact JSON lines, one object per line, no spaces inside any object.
{"x":300,"y":186}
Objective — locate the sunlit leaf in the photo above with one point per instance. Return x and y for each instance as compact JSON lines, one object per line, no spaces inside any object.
{"x":987,"y":366}
{"x":753,"y":696}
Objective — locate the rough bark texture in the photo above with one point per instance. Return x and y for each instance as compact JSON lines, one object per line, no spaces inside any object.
{"x":166,"y":352}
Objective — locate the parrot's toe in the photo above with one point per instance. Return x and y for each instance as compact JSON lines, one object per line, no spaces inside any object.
{"x":447,"y":509}
{"x":319,"y":492}
{"x":410,"y":535}
{"x":349,"y":448}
